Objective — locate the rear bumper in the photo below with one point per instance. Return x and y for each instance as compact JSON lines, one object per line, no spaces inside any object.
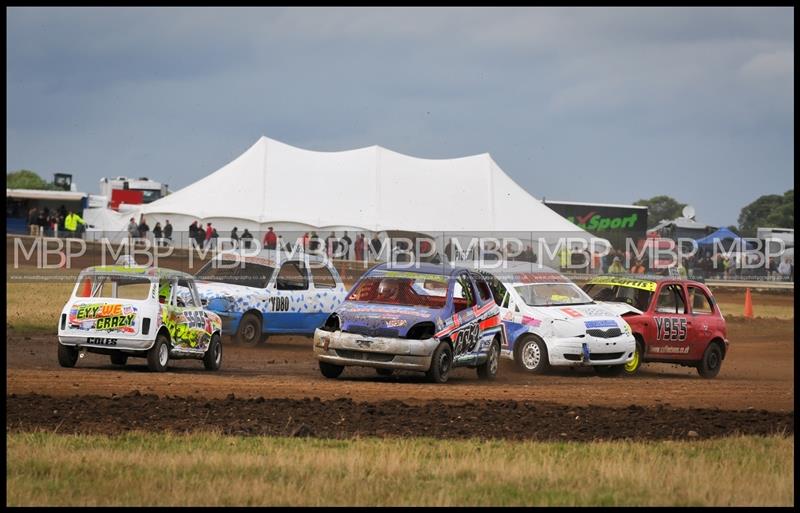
{"x":132,"y":344}
{"x":349,"y":349}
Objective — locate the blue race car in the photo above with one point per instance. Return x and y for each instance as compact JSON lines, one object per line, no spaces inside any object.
{"x":270,"y":293}
{"x":430,"y":318}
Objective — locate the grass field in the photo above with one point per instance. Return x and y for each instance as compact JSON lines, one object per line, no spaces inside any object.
{"x":36,"y":306}
{"x":208,"y":469}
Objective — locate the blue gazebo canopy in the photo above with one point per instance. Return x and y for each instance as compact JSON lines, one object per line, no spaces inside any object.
{"x":721,"y":234}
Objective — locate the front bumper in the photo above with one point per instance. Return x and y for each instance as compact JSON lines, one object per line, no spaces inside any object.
{"x":602,"y":351}
{"x":350,"y":349}
{"x":230,"y":321}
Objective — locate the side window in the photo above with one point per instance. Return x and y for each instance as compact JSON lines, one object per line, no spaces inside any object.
{"x":498,"y":290}
{"x":323,"y":279}
{"x":293,"y":276}
{"x":185,"y":295}
{"x":701,"y":303}
{"x":463,"y":295}
{"x":670,"y":300}
{"x":483,"y":289}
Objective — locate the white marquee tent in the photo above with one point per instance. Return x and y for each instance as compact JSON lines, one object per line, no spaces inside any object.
{"x":368,"y":189}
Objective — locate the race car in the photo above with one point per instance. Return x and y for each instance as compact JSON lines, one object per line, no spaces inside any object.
{"x":271,"y":292}
{"x":136,"y":311}
{"x":550,"y":321}
{"x":431,"y":318}
{"x":674,"y":320}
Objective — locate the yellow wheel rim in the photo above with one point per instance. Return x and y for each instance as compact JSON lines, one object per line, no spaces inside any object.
{"x":634,"y":363}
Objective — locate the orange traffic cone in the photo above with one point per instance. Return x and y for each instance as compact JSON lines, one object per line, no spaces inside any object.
{"x":748,"y":305}
{"x":86,"y":288}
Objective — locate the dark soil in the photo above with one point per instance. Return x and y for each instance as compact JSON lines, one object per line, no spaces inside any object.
{"x":344,"y":418}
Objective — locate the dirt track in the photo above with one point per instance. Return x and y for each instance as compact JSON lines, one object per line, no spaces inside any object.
{"x":758,"y":373}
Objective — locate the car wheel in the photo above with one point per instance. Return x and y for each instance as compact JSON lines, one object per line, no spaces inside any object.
{"x":384,"y":372}
{"x":532,"y":355}
{"x":488,"y":370}
{"x":609,"y":371}
{"x":249,"y":332}
{"x":712,"y":361}
{"x":633,"y":366}
{"x":212,"y":360}
{"x":67,"y":355}
{"x":330,"y":370}
{"x":158,"y":355}
{"x":119,"y":358}
{"x":441,"y":363}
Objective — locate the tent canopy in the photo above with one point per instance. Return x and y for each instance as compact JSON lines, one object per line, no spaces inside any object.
{"x":723,"y":234}
{"x":372,"y":188}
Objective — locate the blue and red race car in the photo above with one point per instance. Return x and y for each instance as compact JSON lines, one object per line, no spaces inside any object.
{"x":428,"y":318}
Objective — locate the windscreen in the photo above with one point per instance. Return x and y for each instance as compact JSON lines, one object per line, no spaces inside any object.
{"x":552,"y":294}
{"x":245,"y":273}
{"x":638,"y":298}
{"x":113,"y":286}
{"x":425,"y":292}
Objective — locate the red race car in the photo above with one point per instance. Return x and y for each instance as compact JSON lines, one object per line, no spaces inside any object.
{"x":674,"y":320}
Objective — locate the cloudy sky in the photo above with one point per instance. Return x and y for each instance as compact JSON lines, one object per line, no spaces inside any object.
{"x":580,"y":104}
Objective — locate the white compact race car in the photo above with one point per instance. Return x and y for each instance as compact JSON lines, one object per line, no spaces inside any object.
{"x":137,"y":311}
{"x":270,"y":293}
{"x":549,"y":320}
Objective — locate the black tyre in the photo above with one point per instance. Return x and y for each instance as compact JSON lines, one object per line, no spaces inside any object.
{"x":212,"y":360}
{"x":609,"y":371}
{"x":158,"y":355}
{"x":711,"y":363}
{"x":633,"y":366}
{"x":249,"y":332}
{"x":488,"y":370}
{"x":441,"y":363}
{"x":330,"y":370}
{"x":67,"y":355}
{"x":531,"y":355}
{"x":384,"y":372}
{"x":119,"y":358}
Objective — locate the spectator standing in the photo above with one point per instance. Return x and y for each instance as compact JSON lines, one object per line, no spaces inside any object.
{"x":235,"y":237}
{"x":637,"y":267}
{"x":313,"y":242}
{"x":346,"y":243}
{"x":158,"y":234}
{"x":246,"y":238}
{"x":270,"y":239}
{"x":330,"y":243}
{"x":376,"y":245}
{"x":305,"y":241}
{"x":785,"y":269}
{"x":167,"y":233}
{"x":199,"y":234}
{"x":193,"y":231}
{"x":133,"y":231}
{"x":209,"y":234}
{"x":33,"y":218}
{"x":71,"y":223}
{"x":359,"y":247}
{"x":143,"y":228}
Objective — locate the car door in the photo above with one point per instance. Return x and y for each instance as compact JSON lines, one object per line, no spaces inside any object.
{"x":288,"y":306}
{"x":326,"y":294}
{"x":465,"y":337}
{"x":186,"y":318}
{"x":668,"y":334}
{"x":704,"y":321}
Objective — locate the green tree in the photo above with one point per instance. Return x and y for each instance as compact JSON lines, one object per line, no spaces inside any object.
{"x":25,"y":179}
{"x":768,"y":211}
{"x":660,"y":208}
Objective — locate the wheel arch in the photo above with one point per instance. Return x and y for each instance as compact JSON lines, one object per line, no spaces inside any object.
{"x":520,"y":340}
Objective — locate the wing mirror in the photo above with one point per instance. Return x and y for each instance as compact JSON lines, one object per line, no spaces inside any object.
{"x":204,"y":302}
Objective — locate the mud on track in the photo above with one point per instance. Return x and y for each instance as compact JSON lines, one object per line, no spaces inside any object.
{"x":345,"y":418}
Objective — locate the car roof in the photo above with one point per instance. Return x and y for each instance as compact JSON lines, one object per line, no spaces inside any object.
{"x":136,"y":270}
{"x":443,"y":269}
{"x":272,"y":254}
{"x":521,"y":273}
{"x":657,"y":278}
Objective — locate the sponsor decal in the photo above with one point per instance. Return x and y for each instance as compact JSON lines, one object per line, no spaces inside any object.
{"x":101,"y":341}
{"x":670,"y":328}
{"x":539,"y":278}
{"x":670,"y":349}
{"x":410,"y":275}
{"x":603,"y":323}
{"x":530,"y":321}
{"x":103,"y":316}
{"x":571,"y":312}
{"x":595,"y":222}
{"x":624,"y":282}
